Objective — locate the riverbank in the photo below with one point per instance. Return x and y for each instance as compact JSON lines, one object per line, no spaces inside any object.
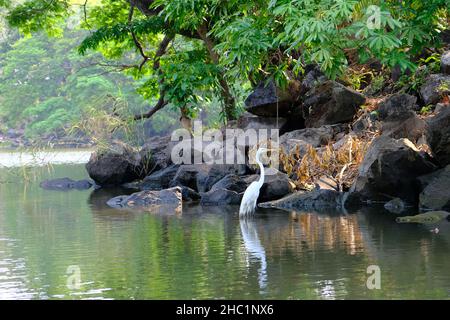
{"x":338,"y":148}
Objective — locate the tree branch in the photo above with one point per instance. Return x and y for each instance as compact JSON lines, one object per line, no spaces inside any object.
{"x":162,"y":48}
{"x":136,"y":41}
{"x":158,"y":106}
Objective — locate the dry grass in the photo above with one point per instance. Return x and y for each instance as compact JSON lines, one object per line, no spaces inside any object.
{"x":339,"y":164}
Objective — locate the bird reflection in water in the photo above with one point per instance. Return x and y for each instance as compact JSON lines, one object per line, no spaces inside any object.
{"x":254,"y":249}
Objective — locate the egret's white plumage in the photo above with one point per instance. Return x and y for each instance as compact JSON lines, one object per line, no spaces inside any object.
{"x":251,"y":194}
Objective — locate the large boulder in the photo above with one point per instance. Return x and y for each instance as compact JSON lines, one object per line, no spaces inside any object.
{"x":315,"y":137}
{"x":215,"y":172}
{"x":436,"y":194}
{"x":64,"y":184}
{"x":445,"y":63}
{"x":330,"y":103}
{"x":202,"y":177}
{"x":248,"y":121}
{"x":438,"y":135}
{"x":266,"y":98}
{"x":160,"y":179}
{"x":118,"y":165}
{"x":389,"y":170}
{"x":156,"y":151}
{"x":186,"y":175}
{"x":411,"y":126}
{"x":221,"y":197}
{"x":233,"y":182}
{"x":148,"y":199}
{"x":434,"y":88}
{"x":396,"y":106}
{"x":276,"y":185}
{"x":189,"y":195}
{"x":316,"y":200}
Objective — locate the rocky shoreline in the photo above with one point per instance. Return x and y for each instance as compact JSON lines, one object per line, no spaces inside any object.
{"x":396,"y":154}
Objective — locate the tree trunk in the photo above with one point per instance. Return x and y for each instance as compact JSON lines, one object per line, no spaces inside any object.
{"x":228,"y":99}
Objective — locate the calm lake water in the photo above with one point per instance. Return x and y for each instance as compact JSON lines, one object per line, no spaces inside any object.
{"x":204,"y":253}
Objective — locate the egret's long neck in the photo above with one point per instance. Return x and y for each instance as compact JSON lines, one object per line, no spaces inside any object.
{"x":261,"y":168}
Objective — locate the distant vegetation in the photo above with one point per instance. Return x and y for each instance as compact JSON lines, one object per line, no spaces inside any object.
{"x":191,"y":55}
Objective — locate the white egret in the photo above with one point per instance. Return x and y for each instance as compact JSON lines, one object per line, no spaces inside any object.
{"x":251,"y":194}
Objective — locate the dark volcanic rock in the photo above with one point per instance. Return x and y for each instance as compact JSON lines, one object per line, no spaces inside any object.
{"x":221,"y":197}
{"x":396,"y":206}
{"x":156,"y":151}
{"x":330,"y":103}
{"x":316,"y":199}
{"x":160,"y":179}
{"x":389,"y":170}
{"x":231,"y":182}
{"x":397,"y":107}
{"x":436,"y":195}
{"x":186,"y":175}
{"x":276,"y":185}
{"x":202,"y":177}
{"x":315,"y":137}
{"x":266,"y":98}
{"x":189,"y":195}
{"x":65,"y":184}
{"x":254,"y":122}
{"x":438,"y":135}
{"x":411,"y":127}
{"x":116,"y":166}
{"x":434,"y":88}
{"x":215,"y":172}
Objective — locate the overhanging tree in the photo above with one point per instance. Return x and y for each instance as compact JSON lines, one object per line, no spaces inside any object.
{"x":192,"y":48}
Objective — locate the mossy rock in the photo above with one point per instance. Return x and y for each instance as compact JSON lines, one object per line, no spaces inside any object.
{"x":429,"y":217}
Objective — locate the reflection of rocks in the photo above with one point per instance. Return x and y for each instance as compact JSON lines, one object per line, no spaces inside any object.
{"x":65,"y":184}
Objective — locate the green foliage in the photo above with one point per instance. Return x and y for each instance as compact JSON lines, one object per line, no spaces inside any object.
{"x":45,"y":85}
{"x":244,"y":42}
{"x":35,"y":15}
{"x":121,"y":32}
{"x":426,"y":66}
